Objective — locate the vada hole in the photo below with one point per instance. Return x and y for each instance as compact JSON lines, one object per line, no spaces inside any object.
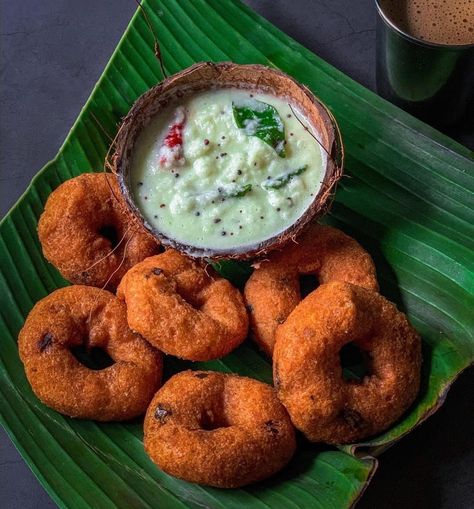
{"x":110,"y":233}
{"x":355,"y":363}
{"x":308,"y":283}
{"x":93,"y":358}
{"x":209,"y":421}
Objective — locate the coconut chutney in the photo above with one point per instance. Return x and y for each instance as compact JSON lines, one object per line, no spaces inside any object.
{"x":226,"y":169}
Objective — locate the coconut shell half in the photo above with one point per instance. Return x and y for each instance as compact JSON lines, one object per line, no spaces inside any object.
{"x":209,"y":75}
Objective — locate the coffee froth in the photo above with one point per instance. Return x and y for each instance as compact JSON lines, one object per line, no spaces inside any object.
{"x":448,"y":22}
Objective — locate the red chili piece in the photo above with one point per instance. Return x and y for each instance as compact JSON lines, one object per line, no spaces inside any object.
{"x":174,"y":139}
{"x":174,"y":136}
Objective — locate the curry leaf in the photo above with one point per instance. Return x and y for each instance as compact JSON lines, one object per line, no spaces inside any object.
{"x":262,"y":120}
{"x":240,"y":191}
{"x":282,"y":180}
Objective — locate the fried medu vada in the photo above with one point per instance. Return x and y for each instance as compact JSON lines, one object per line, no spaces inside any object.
{"x":89,"y":320}
{"x":218,"y":429}
{"x":181,"y":310}
{"x":89,"y":235}
{"x":273,"y":289}
{"x":307,"y":369}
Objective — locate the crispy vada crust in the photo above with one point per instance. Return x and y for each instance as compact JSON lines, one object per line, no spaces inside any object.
{"x":217,"y":429}
{"x":174,"y":304}
{"x":83,"y":220}
{"x":307,"y":370}
{"x":273,"y":290}
{"x":83,"y":315}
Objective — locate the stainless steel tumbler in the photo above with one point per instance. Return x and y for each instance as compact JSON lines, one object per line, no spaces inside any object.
{"x":435,"y":82}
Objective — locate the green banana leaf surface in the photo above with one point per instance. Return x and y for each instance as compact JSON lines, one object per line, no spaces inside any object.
{"x":407,"y":197}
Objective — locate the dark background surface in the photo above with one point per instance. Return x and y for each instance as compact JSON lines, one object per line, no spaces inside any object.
{"x":53,"y":52}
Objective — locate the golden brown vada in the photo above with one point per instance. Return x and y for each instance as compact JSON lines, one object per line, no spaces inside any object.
{"x":218,"y":429}
{"x":307,"y":368}
{"x":181,"y":310}
{"x":88,"y":234}
{"x":273,"y":289}
{"x":82,"y":316}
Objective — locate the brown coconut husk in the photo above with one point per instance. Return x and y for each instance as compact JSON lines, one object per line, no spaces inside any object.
{"x":208,"y":75}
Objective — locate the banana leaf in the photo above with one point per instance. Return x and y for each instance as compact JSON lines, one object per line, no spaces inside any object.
{"x":407,"y":197}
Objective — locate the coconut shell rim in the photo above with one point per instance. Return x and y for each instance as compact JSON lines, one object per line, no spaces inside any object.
{"x":318,"y":207}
